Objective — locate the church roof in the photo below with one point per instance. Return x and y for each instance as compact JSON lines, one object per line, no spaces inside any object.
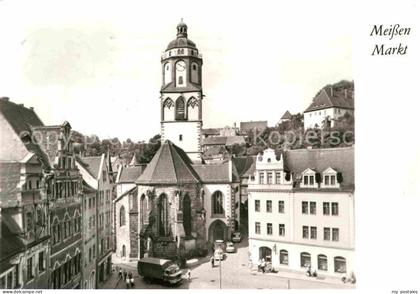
{"x":213,"y":173}
{"x":170,"y":165}
{"x":327,"y":99}
{"x":130,"y":174}
{"x":286,"y":115}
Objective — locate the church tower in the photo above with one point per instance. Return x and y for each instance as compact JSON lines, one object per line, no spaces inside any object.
{"x":181,"y":94}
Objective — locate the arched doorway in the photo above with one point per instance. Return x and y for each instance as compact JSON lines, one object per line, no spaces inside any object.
{"x":217,"y":231}
{"x":92,"y":280}
{"x":186,"y":211}
{"x":265,"y":253}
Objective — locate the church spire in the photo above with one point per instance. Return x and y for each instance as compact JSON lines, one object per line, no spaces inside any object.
{"x":182,"y":29}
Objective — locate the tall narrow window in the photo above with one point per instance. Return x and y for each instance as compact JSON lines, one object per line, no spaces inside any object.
{"x":180,"y":80}
{"x":305,"y":259}
{"x":142,"y":208}
{"x":304,"y":207}
{"x":335,"y":234}
{"x":261,"y":178}
{"x":334,"y":208}
{"x":284,"y":257}
{"x":122,"y":216}
{"x":269,"y":229}
{"x":257,"y":228}
{"x":163,"y":215}
{"x":281,"y":206}
{"x":313,"y":233}
{"x":257,"y":205}
{"x":282,"y":230}
{"x":313,"y":207}
{"x":269,"y":206}
{"x":278,"y":177}
{"x":327,"y":234}
{"x":305,"y":232}
{"x":269,"y":178}
{"x":217,"y":201}
{"x":186,"y":214}
{"x":326,"y":208}
{"x":180,"y":108}
{"x":322,"y":262}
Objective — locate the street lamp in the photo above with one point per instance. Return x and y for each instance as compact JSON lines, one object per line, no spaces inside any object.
{"x":220,"y":273}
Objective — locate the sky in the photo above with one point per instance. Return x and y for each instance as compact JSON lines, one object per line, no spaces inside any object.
{"x":97,"y":64}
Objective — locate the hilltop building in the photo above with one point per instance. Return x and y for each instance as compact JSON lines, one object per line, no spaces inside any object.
{"x":327,"y":107}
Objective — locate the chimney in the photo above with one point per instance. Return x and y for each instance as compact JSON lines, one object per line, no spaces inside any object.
{"x":331,"y":91}
{"x":345,"y":93}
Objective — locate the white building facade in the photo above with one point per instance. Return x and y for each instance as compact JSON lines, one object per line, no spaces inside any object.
{"x":300,"y":217}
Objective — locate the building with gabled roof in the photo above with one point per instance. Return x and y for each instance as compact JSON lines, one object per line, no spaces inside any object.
{"x":328,"y":106}
{"x":97,"y":173}
{"x":301,"y":210}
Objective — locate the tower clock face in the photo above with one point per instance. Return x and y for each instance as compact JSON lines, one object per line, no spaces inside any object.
{"x":180,"y":66}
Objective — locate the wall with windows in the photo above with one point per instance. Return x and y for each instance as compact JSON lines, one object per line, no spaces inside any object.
{"x":186,"y":135}
{"x":280,"y":216}
{"x":213,"y":192}
{"x":89,"y":240}
{"x":313,"y":118}
{"x":324,"y":210}
{"x":326,"y":261}
{"x":122,"y":228}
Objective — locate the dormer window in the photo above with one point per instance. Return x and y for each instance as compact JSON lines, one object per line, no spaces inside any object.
{"x":329,"y":178}
{"x":308,"y":179}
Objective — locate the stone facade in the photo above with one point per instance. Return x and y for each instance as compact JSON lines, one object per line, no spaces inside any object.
{"x":185,"y":220}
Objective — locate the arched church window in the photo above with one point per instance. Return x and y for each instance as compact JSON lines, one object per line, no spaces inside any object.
{"x":163,"y":215}
{"x":180,"y":108}
{"x":142,"y":208}
{"x":192,"y":102}
{"x":168,"y":103}
{"x":186,"y":214}
{"x":217,"y":203}
{"x":194,"y":67}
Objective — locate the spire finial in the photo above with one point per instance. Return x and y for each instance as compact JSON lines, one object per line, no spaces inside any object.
{"x":182,"y":19}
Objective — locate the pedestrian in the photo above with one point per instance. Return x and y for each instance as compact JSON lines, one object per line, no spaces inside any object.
{"x":124,"y":275}
{"x":189,"y":274}
{"x":127,"y":282}
{"x":212,"y":261}
{"x":120,"y":274}
{"x":130,"y":276}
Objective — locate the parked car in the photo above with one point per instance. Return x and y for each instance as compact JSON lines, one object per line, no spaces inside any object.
{"x":237,"y":237}
{"x":159,"y":269}
{"x":230,"y":248}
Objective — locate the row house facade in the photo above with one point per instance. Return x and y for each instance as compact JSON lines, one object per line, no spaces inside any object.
{"x":301,"y":210}
{"x":63,"y":188}
{"x":40,"y":206}
{"x":97,"y":174}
